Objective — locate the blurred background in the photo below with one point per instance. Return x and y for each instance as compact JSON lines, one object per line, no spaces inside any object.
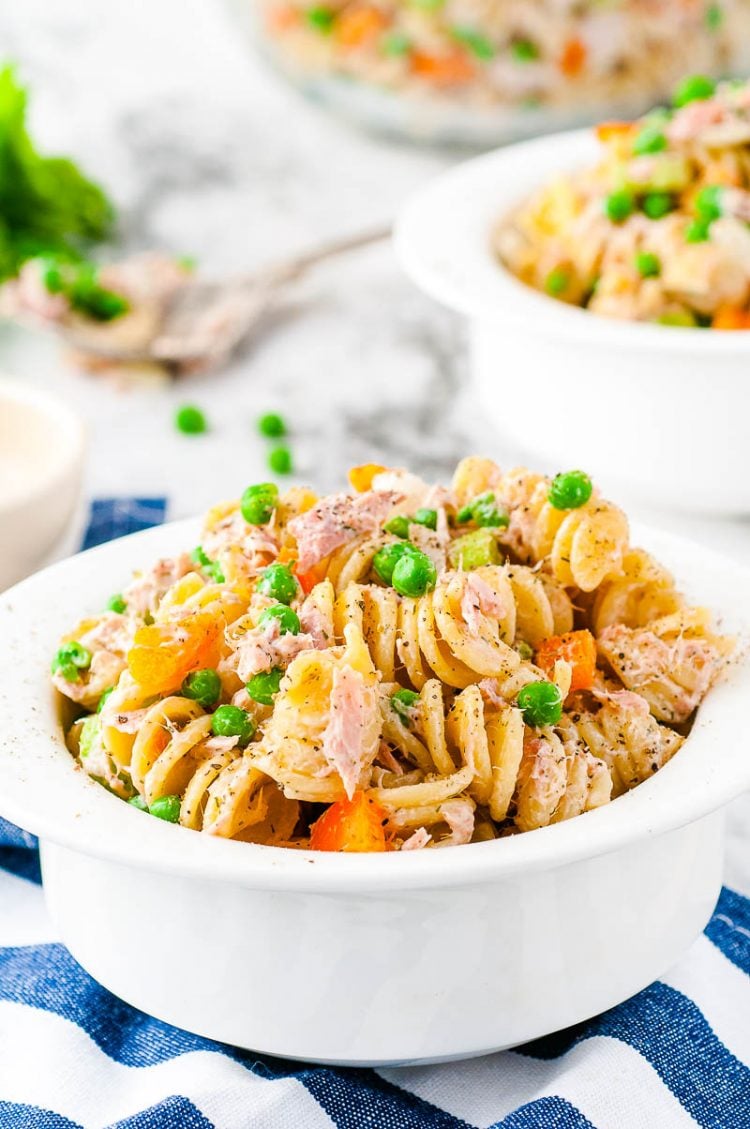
{"x":208,"y":153}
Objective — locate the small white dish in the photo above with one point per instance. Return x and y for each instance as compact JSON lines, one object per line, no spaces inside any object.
{"x":42,"y":445}
{"x":659,"y":412}
{"x":365,"y":959}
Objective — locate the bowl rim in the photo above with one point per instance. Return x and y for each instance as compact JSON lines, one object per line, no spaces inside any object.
{"x":444,"y":247}
{"x":70,"y":435}
{"x":43,"y":789}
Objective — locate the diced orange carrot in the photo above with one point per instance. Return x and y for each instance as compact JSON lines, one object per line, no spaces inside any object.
{"x":361,"y":476}
{"x":573,"y":57}
{"x":163,"y":653}
{"x":576,"y":647}
{"x":350,"y":825}
{"x":357,"y":26}
{"x":443,"y":70}
{"x":608,"y":131}
{"x":731,"y":317}
{"x":308,"y":580}
{"x":282,"y":17}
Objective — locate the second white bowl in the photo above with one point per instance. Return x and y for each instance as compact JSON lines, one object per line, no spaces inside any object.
{"x":659,"y":412}
{"x":42,"y":445}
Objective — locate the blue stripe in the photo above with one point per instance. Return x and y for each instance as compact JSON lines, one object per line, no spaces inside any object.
{"x":46,"y":977}
{"x":729,"y":929}
{"x":670,"y":1032}
{"x":115,"y":517}
{"x":22,"y":862}
{"x":357,"y":1098}
{"x":545,"y":1113}
{"x":172,"y":1113}
{"x":12,"y":836}
{"x":13,"y":1116}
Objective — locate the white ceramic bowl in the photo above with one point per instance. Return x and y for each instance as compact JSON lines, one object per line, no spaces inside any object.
{"x":365,"y":958}
{"x":654,"y":411}
{"x":41,"y":462}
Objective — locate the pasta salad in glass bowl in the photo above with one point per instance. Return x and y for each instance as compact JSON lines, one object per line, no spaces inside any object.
{"x":484,"y":71}
{"x":402,"y":666}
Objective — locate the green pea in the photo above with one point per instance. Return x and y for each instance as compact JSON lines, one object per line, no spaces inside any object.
{"x":70,"y":659}
{"x":280,"y":460}
{"x":204,"y":687}
{"x":398,"y":526}
{"x":486,"y":514}
{"x":541,"y":703}
{"x":656,"y":205}
{"x":88,"y":296}
{"x":414,"y":574}
{"x":53,"y":279}
{"x":396,"y":45}
{"x":263,"y":687}
{"x":479,"y":45}
{"x":694,"y":88}
{"x":714,"y":17}
{"x":570,"y":491}
{"x":473,"y":550}
{"x":289,"y":623}
{"x":426,"y":517}
{"x":698,"y":231}
{"x":272,"y":425}
{"x":258,"y":503}
{"x":198,"y":556}
{"x":190,"y":420}
{"x":103,"y":699}
{"x":385,"y":559}
{"x":320,"y":18}
{"x":557,"y":281}
{"x":278,"y":582}
{"x":116,"y":603}
{"x":403,"y":702}
{"x":231,"y":721}
{"x":167,"y":808}
{"x":464,"y":514}
{"x":708,"y":202}
{"x":138,"y":802}
{"x":647,"y":264}
{"x":216,"y":572}
{"x":651,"y":139}
{"x":524,"y":50}
{"x":619,"y":205}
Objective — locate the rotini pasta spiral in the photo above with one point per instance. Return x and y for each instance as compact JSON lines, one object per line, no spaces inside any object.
{"x":672,"y":662}
{"x":580,"y":546}
{"x":325,"y":729}
{"x":643,"y":591}
{"x":538,"y":777}
{"x":463,"y":631}
{"x":621,"y":732}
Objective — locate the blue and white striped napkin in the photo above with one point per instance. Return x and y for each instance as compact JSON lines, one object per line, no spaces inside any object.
{"x":72,"y":1055}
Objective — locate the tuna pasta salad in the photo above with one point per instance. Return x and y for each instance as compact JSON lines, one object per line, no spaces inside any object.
{"x":565,"y":54}
{"x":659,"y":229}
{"x":395,"y":667}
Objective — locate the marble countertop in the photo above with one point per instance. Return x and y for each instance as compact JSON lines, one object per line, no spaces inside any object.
{"x":210,"y":154}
